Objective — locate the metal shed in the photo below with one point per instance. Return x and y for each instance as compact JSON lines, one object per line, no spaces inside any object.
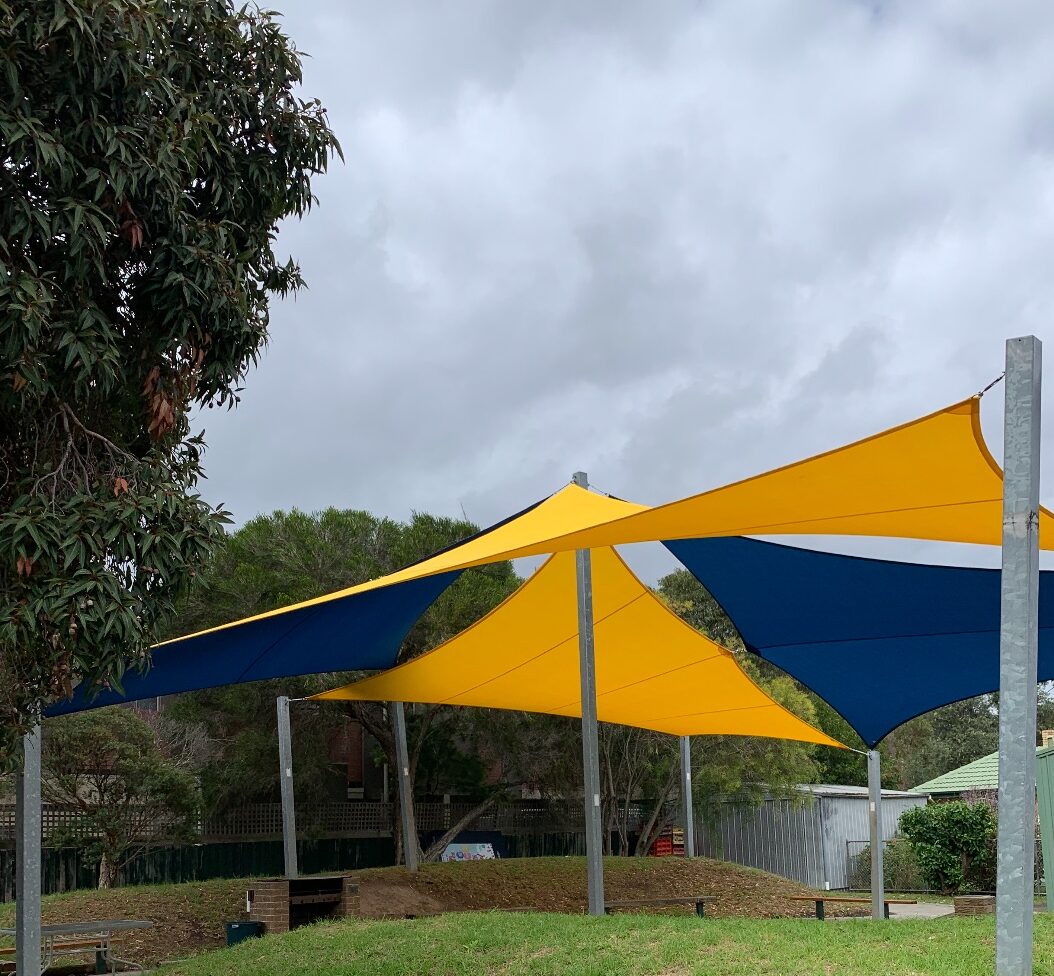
{"x":811,"y":840}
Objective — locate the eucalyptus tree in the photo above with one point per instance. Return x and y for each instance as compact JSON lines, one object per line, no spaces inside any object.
{"x":148,"y":151}
{"x":285,"y":557}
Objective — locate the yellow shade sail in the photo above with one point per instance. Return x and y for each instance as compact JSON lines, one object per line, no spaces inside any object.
{"x":932,"y":478}
{"x":569,"y":510}
{"x":652,"y":669}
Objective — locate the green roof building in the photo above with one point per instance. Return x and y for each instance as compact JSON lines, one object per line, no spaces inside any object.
{"x":981,"y":774}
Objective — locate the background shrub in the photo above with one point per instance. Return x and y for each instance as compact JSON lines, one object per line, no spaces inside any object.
{"x":953,"y":844}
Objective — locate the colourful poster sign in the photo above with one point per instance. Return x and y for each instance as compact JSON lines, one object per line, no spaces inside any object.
{"x":469,"y":852}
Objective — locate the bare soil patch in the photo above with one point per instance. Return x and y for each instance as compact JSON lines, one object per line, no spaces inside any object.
{"x":559,"y":885}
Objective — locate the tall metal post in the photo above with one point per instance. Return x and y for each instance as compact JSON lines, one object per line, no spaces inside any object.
{"x":27,"y":856}
{"x":590,"y":745}
{"x":1018,"y":645}
{"x":406,"y":799}
{"x":285,"y":773}
{"x":686,"y":796}
{"x":874,"y":822}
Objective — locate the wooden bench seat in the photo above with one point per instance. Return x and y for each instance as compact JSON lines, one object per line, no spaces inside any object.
{"x":71,"y":945}
{"x":101,"y":946}
{"x":820,"y":899}
{"x":698,"y":900}
{"x":327,"y":898}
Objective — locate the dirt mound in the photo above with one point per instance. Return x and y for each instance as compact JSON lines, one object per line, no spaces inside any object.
{"x":383,"y":897}
{"x":190,"y":918}
{"x":559,"y":885}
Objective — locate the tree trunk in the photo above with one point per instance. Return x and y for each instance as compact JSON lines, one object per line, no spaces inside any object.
{"x":436,"y":850}
{"x":658,"y":820}
{"x":107,"y":871}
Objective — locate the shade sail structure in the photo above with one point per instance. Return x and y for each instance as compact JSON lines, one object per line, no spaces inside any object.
{"x":880,"y":641}
{"x":363,"y":632}
{"x":653,"y":670}
{"x":359,"y":628}
{"x":932,"y":478}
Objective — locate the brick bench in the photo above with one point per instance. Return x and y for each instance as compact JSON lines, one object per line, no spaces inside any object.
{"x":282,"y":904}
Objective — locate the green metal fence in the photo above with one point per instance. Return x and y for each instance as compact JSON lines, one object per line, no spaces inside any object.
{"x":66,"y":869}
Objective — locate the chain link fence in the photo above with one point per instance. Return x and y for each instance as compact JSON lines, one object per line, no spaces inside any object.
{"x":900,"y":870}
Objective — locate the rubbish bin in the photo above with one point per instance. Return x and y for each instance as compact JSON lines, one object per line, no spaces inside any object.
{"x":240,"y":931}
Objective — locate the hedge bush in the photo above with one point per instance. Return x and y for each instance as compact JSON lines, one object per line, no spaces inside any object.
{"x":954,"y":844}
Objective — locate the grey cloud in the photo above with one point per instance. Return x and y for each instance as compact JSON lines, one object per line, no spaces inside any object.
{"x":672,"y":244}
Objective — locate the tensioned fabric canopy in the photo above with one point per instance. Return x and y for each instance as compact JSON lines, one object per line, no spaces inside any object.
{"x":932,"y":478}
{"x":881,"y":641}
{"x":652,"y":669}
{"x":361,"y":628}
{"x":364,"y":632}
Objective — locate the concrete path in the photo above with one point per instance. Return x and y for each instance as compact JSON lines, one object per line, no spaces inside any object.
{"x":924,"y":909}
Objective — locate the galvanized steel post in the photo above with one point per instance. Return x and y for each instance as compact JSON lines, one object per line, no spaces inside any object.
{"x":874,"y":822}
{"x":406,"y":799}
{"x":1018,"y":644}
{"x":285,"y":773}
{"x":686,"y":796}
{"x":27,"y":856}
{"x":590,"y":745}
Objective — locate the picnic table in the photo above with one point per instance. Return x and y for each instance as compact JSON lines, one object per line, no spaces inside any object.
{"x":74,"y":938}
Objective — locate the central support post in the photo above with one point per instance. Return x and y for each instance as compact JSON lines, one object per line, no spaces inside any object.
{"x":406,"y":799}
{"x":285,"y":773}
{"x":874,"y":822}
{"x":590,"y":745}
{"x":686,"y":796}
{"x":1018,"y":648}
{"x":27,"y":856}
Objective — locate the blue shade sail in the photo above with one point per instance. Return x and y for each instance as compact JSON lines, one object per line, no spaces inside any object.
{"x":880,"y":641}
{"x":356,"y":629}
{"x":360,"y":632}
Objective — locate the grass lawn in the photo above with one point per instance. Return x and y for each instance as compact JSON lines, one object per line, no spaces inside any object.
{"x":502,"y":944}
{"x":190,"y":917}
{"x":752,"y":927}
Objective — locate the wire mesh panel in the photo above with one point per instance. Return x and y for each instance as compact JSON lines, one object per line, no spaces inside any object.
{"x":363,"y":818}
{"x":900,"y":869}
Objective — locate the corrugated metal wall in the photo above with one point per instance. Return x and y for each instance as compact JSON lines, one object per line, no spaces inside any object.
{"x":808,"y":843}
{"x":845,"y":819}
{"x":779,"y":836}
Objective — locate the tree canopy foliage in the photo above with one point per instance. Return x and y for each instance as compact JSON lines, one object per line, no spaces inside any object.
{"x":736,"y":764}
{"x":285,"y":557}
{"x":129,"y":785}
{"x":954,"y":844}
{"x":148,"y":151}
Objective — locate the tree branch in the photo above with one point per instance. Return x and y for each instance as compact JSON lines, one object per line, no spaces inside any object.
{"x":436,"y":850}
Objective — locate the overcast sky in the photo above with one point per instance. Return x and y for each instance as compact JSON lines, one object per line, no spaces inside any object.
{"x":671,"y":244}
